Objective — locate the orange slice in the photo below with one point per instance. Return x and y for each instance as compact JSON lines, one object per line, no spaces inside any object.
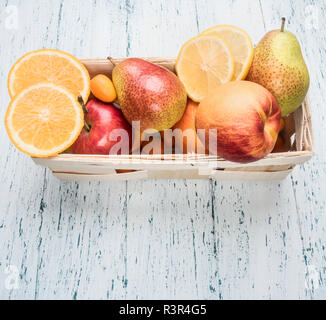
{"x":203,"y":63}
{"x":241,"y":47}
{"x":44,"y":120}
{"x":47,"y":65}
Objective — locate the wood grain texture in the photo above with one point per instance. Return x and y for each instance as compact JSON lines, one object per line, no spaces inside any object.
{"x":159,"y":239}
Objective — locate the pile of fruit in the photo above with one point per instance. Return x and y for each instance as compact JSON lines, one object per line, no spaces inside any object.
{"x":226,"y":99}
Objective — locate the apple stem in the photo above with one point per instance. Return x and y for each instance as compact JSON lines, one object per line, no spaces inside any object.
{"x":81,"y":101}
{"x":87,"y":127}
{"x":283,"y":23}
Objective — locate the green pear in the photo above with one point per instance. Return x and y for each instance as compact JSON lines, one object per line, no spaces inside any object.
{"x":278,"y":66}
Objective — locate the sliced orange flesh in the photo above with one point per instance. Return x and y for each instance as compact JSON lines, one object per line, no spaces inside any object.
{"x":47,"y":65}
{"x":44,"y":120}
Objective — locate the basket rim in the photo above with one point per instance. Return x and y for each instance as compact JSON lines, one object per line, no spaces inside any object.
{"x":171,"y":161}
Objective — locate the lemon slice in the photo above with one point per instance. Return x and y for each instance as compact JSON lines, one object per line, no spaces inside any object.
{"x":44,"y":120}
{"x":240,"y":44}
{"x":203,"y":63}
{"x":48,"y":65}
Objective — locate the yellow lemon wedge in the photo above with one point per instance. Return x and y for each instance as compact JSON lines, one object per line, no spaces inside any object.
{"x":240,"y":44}
{"x":203,"y":63}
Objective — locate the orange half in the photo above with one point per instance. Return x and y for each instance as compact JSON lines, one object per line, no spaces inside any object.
{"x":47,"y":65}
{"x":44,"y":120}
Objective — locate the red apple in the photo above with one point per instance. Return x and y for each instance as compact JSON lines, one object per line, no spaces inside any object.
{"x":106,"y":131}
{"x":244,"y":118}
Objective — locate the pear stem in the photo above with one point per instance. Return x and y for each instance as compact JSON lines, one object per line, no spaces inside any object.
{"x":283,"y":23}
{"x":111,"y":60}
{"x":81,"y":101}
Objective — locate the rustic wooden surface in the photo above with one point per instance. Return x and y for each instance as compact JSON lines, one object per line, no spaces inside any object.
{"x":159,"y":239}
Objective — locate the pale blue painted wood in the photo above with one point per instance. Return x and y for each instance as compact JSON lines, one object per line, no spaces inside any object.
{"x":159,"y":239}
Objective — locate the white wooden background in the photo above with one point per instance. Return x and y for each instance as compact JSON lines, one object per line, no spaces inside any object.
{"x":159,"y":239}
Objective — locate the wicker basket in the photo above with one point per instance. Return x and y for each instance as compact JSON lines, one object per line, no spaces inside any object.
{"x":297,"y":135}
